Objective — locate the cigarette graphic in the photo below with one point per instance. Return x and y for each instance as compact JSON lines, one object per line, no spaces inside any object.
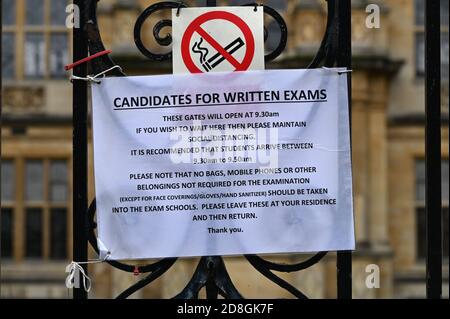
{"x":217,"y":58}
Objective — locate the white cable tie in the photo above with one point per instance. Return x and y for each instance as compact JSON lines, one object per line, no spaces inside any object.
{"x":91,"y":78}
{"x":338,"y":72}
{"x":75,"y":267}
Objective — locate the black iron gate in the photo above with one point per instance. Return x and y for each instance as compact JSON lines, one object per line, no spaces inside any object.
{"x":211,"y":273}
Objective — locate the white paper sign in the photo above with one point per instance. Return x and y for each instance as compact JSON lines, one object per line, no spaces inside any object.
{"x":217,"y":39}
{"x":223,"y":164}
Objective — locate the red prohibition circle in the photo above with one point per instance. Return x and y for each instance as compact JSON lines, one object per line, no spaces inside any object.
{"x":195,"y":26}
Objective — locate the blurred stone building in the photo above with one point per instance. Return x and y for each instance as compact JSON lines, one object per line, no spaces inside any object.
{"x":388,"y":148}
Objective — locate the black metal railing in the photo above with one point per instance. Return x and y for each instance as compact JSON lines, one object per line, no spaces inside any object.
{"x":211,"y":273}
{"x":433,"y":197}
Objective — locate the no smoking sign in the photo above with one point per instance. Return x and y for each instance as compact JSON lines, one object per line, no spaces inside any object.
{"x":218,"y":39}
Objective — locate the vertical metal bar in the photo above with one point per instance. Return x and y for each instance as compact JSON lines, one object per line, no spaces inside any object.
{"x":344,"y":59}
{"x":80,"y":51}
{"x":433,"y":204}
{"x":211,"y":288}
{"x":1,"y":107}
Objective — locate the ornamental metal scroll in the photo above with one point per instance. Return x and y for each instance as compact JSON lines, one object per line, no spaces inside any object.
{"x":211,"y":272}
